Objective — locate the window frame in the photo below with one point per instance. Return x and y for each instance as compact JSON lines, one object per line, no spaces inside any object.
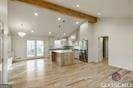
{"x":35,"y":54}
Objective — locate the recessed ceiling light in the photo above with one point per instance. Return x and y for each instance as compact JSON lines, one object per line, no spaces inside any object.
{"x":49,"y":32}
{"x":77,"y":5}
{"x":32,"y":31}
{"x":59,"y":18}
{"x":99,"y":14}
{"x":36,"y":14}
{"x":64,"y":33}
{"x":77,"y":22}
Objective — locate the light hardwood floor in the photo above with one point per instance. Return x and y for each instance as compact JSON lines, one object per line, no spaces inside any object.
{"x":41,"y":73}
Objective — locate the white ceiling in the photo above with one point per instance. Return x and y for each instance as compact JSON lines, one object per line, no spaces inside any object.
{"x":45,"y":22}
{"x":108,"y":8}
{"x":21,"y":13}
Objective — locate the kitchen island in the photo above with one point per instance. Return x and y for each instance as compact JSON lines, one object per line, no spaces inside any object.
{"x":62,"y":57}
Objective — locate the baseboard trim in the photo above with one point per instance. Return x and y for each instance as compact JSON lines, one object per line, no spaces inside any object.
{"x":19,"y":60}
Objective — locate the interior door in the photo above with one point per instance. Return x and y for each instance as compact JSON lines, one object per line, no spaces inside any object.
{"x":100,"y":48}
{"x":103,"y":49}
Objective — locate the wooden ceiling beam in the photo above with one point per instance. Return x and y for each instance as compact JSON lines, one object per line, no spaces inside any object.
{"x":61,"y":9}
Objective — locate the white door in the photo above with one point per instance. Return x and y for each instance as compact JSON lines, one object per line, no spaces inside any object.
{"x":100,"y":48}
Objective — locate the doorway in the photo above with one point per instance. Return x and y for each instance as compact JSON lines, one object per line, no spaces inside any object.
{"x":103,"y":49}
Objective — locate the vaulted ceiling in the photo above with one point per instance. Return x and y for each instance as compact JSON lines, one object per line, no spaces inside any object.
{"x":44,"y":22}
{"x":47,"y":21}
{"x":107,"y":8}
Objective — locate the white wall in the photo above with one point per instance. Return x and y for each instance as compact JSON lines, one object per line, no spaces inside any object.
{"x":120,"y":32}
{"x":86,"y":32}
{"x":19,"y":45}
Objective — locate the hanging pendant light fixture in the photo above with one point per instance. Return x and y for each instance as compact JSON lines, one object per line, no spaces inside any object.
{"x":21,"y":33}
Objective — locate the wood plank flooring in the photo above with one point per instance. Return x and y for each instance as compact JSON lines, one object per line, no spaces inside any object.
{"x":42,"y":73}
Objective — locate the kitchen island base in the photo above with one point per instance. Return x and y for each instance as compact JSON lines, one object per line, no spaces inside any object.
{"x":63,"y":58}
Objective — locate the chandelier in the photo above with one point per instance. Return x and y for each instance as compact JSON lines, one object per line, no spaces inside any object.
{"x":21,"y":33}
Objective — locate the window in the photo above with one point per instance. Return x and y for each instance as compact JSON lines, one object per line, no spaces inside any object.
{"x":40,"y":48}
{"x":30,"y":48}
{"x":35,"y":48}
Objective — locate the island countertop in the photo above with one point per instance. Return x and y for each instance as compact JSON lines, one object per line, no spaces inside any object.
{"x":62,"y":51}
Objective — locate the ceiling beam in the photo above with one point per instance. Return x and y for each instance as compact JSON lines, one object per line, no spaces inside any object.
{"x":61,"y":9}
